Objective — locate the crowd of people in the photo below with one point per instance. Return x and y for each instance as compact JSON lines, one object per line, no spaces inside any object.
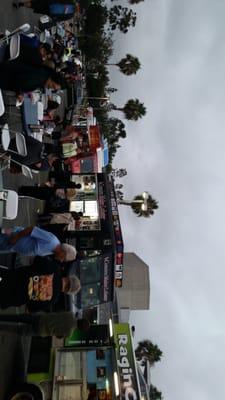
{"x":47,"y":67}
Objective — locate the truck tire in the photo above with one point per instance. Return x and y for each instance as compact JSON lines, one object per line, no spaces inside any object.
{"x":26,"y":391}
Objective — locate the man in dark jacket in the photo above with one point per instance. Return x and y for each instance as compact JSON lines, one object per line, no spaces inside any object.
{"x":37,"y":286}
{"x":20,"y":77}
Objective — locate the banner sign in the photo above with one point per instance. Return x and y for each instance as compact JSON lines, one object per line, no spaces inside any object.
{"x":107,"y":281}
{"x":118,"y":238}
{"x":103,"y":212}
{"x":126,"y":363}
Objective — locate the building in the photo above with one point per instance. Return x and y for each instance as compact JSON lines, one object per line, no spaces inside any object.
{"x":97,"y":237}
{"x":99,"y":364}
{"x":135,"y":291}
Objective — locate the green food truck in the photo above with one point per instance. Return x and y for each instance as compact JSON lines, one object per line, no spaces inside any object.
{"x":97,"y":366}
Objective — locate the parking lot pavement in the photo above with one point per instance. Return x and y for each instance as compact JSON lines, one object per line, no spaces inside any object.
{"x":12,"y":18}
{"x":14,"y":349}
{"x":27,"y":211}
{"x":8,"y":349}
{"x":14,"y":355}
{"x":28,"y":208}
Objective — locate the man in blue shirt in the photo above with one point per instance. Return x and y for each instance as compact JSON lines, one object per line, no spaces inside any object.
{"x":33,"y":241}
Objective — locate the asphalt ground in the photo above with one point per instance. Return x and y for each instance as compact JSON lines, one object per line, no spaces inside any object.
{"x":14,"y":349}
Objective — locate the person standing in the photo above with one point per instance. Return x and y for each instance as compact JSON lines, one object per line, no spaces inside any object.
{"x":34,"y":241}
{"x":37,"y":286}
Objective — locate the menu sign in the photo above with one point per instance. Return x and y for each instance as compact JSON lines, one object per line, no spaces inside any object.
{"x":102,"y":201}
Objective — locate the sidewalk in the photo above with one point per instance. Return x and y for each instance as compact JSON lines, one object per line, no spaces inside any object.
{"x":27,"y":210}
{"x":14,"y":356}
{"x":14,"y":349}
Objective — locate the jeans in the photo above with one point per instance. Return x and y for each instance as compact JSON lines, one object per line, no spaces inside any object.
{"x":5,"y":246}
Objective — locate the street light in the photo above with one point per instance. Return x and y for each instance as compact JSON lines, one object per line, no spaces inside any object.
{"x":145,"y":195}
{"x":144,"y":206}
{"x":144,"y":201}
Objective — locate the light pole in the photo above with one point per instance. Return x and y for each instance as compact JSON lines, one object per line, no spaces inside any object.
{"x":103,"y":101}
{"x":145,"y":196}
{"x":143,"y":204}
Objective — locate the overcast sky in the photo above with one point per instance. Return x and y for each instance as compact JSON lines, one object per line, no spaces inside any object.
{"x":176,"y":153}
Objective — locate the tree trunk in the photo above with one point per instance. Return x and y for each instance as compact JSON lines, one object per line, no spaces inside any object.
{"x":117,"y":108}
{"x":130,"y":202}
{"x":125,"y":202}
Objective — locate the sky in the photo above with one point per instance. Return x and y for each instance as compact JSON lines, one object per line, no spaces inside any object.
{"x":176,"y":152}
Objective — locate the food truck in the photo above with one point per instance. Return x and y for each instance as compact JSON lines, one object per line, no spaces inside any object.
{"x":97,"y":365}
{"x":83,"y":367}
{"x":95,"y":158}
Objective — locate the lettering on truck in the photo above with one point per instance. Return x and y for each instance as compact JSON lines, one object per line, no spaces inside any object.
{"x":126,"y":372}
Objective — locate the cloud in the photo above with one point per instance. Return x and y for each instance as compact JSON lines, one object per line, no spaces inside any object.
{"x":177,"y":153}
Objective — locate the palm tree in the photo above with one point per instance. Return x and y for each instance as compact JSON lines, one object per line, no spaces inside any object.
{"x":132,"y":110}
{"x":155,"y":394}
{"x":132,"y":1}
{"x":121,"y":18}
{"x":147,"y":351}
{"x":142,"y":205}
{"x":128,"y":65}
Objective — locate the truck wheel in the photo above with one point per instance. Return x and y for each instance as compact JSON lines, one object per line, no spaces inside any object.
{"x":22,"y":396}
{"x":26,"y":391}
